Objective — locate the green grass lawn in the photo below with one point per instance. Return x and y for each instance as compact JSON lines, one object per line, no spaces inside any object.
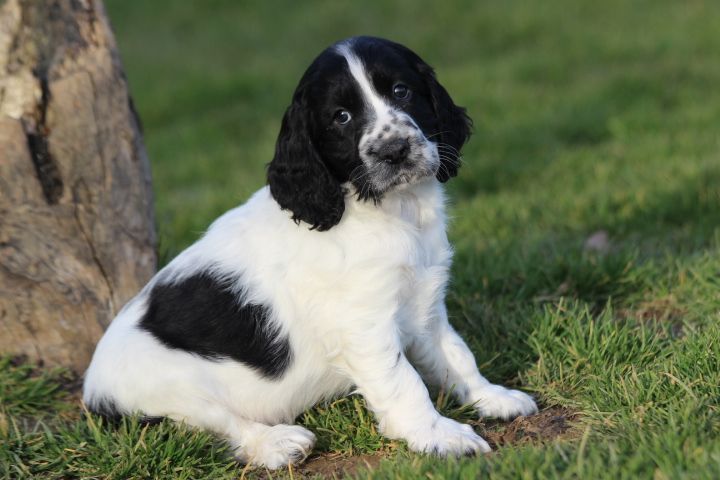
{"x":589,"y":117}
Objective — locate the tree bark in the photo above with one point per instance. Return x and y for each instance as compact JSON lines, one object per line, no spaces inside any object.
{"x":77,"y":236}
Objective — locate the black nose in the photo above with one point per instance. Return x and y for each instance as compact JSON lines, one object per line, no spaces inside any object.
{"x":394,"y":151}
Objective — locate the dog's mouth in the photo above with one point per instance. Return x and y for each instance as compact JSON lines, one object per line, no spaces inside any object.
{"x":380,"y":180}
{"x":413,"y":176}
{"x":422,"y":162}
{"x":377,"y":175}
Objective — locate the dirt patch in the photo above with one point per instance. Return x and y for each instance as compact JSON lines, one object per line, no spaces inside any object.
{"x":334,"y":465}
{"x":323,"y":465}
{"x":661,"y":311}
{"x":545,"y":426}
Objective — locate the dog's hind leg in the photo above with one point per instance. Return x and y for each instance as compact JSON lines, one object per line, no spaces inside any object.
{"x":271,"y":446}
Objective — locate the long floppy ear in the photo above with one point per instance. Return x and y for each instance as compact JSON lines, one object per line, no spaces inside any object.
{"x":299,"y":179}
{"x":454,"y":125}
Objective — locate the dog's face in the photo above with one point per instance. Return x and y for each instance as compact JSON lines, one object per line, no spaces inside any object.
{"x":370,"y":112}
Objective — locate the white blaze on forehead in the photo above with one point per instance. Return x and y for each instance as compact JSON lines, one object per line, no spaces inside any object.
{"x":357,"y":70}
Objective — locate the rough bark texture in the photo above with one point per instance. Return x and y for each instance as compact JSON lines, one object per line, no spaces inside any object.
{"x":77,"y":236}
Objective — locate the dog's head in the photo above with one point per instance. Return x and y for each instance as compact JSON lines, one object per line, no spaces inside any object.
{"x":370,"y":112}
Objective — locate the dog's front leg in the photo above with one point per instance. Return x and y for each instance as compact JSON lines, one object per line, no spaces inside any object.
{"x":394,"y":391}
{"x":447,"y":362}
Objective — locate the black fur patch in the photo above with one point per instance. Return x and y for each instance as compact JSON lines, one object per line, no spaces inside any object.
{"x":105,"y":407}
{"x":201,"y":315}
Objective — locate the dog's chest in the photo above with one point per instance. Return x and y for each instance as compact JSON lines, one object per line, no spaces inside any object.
{"x":410,"y":255}
{"x":381,"y":262}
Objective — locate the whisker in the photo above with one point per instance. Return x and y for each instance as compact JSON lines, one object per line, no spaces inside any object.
{"x":355,"y":171}
{"x":437,"y":133}
{"x":448,"y":155}
{"x":364,"y":174}
{"x":453,"y":161}
{"x":445,"y":169}
{"x":447,"y":147}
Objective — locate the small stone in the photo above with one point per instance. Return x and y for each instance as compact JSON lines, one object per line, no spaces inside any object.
{"x":597,"y":242}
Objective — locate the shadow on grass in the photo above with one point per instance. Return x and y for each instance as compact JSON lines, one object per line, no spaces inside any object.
{"x":682,"y":222}
{"x":498,"y":292}
{"x":683,"y":219}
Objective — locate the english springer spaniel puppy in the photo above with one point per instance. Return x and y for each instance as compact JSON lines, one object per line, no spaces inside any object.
{"x":330,"y":279}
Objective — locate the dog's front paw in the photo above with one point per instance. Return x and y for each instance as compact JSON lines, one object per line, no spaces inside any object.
{"x":501,"y":402}
{"x":447,"y":437}
{"x":277,"y":446}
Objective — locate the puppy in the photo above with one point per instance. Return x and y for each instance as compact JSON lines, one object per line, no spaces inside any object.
{"x":329,"y":279}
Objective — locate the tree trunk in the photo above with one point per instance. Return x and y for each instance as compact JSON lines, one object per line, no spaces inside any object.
{"x":77,"y":236}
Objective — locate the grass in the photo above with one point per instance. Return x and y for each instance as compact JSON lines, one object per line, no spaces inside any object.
{"x":589,"y":117}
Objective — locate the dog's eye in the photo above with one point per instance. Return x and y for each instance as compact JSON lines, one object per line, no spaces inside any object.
{"x":401,"y":91}
{"x":343,"y":117}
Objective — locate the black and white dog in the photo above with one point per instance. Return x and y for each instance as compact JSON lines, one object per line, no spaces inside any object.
{"x":331,"y":278}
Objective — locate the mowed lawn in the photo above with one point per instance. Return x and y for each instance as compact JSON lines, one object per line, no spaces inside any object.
{"x":586,"y":223}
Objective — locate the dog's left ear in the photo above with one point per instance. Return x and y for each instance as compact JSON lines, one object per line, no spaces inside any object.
{"x":454,"y":125}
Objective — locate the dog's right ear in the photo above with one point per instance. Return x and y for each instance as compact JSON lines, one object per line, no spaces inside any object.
{"x":455,"y":126}
{"x":298,"y":177}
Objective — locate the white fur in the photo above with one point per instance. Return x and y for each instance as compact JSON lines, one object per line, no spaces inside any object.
{"x":353,"y":300}
{"x":358,"y":302}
